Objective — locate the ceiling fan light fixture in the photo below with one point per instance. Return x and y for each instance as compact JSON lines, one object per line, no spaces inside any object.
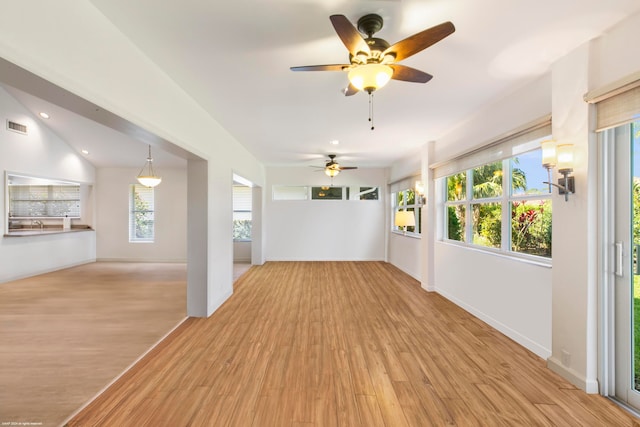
{"x":370,"y":77}
{"x":329,"y":171}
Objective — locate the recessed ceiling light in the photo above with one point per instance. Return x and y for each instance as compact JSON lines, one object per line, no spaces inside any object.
{"x":334,"y":142}
{"x":84,"y":151}
{"x":44,"y":115}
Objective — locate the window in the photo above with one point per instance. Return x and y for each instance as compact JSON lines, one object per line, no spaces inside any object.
{"x":141,"y":213}
{"x":287,"y":192}
{"x":368,"y":193}
{"x":514,"y":214}
{"x":241,"y":213}
{"x":284,"y":192}
{"x":29,"y":200}
{"x":326,"y":193}
{"x":405,"y":200}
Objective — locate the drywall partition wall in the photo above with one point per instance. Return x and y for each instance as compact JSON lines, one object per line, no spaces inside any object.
{"x":322,"y":230}
{"x":405,"y":252}
{"x":40,"y":153}
{"x":257,"y":232}
{"x":93,"y":59}
{"x":112,"y":219}
{"x":241,"y":251}
{"x":512,"y":296}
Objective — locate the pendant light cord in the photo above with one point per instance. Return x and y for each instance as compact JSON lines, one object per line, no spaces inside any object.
{"x":371,"y":109}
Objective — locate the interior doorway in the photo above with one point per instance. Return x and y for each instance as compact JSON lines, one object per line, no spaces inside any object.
{"x":247,"y":235}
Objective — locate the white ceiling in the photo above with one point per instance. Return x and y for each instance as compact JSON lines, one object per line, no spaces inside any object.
{"x":233,"y":58}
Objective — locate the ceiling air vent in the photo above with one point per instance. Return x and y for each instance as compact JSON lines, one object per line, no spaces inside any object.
{"x":16,"y":127}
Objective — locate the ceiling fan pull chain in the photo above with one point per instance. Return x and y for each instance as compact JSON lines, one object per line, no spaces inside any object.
{"x":371,"y":109}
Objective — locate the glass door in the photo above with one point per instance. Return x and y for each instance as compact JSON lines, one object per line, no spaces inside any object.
{"x":624,"y":268}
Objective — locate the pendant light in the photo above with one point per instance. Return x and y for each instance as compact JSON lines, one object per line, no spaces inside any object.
{"x":147,"y":175}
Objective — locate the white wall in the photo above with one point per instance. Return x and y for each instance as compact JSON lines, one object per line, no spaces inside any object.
{"x":551,"y":311}
{"x":321,"y":230}
{"x":509,"y":294}
{"x":112,"y":219}
{"x":241,"y":251}
{"x":92,"y":59}
{"x":512,"y":296}
{"x":575,"y":275}
{"x":41,"y":153}
{"x":405,"y":252}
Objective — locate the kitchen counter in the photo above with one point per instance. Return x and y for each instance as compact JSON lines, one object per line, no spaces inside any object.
{"x":24,"y":232}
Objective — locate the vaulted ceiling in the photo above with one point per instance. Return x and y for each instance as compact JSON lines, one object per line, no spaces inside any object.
{"x":233,"y":58}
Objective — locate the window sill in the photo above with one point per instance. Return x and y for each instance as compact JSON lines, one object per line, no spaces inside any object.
{"x":412,"y":235}
{"x":514,"y":256}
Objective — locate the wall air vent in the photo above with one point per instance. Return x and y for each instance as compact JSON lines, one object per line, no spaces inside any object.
{"x":16,"y":127}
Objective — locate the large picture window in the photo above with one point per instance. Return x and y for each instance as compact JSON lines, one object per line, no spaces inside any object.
{"x":482,"y":208}
{"x":141,"y":213}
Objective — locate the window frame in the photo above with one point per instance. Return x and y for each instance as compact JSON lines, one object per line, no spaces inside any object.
{"x":242,"y":199}
{"x":506,"y":200}
{"x":417,"y":209}
{"x":133,"y":190}
{"x":349,"y":193}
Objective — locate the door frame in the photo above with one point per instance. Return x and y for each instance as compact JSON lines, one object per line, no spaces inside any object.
{"x":615,"y":369}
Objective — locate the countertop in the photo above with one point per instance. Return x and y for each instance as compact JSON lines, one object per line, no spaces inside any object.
{"x":24,"y":232}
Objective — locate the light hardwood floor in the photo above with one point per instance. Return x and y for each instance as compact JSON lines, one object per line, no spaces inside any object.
{"x":342,"y":344}
{"x":65,"y":335}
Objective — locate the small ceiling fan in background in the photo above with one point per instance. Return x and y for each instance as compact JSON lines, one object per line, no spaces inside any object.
{"x":332,"y":167}
{"x":372,"y":61}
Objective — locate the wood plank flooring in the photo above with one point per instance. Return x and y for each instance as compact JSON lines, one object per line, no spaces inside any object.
{"x":65,"y":335}
{"x":342,"y":344}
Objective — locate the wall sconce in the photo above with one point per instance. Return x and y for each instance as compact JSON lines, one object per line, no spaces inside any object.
{"x":405,"y":219}
{"x":562,"y":157}
{"x":419,"y":189}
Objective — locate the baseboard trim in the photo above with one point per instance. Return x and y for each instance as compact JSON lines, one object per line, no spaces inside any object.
{"x":216,"y":305}
{"x":142,"y":260}
{"x":427,"y":287}
{"x":48,"y":270}
{"x":574,"y":377}
{"x":524,"y":341}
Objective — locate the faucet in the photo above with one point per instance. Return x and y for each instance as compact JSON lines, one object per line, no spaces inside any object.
{"x":37,"y":222}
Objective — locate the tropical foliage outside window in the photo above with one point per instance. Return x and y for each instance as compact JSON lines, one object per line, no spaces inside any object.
{"x":141,"y":214}
{"x":512,"y":214}
{"x":242,"y":213}
{"x":405,"y":200}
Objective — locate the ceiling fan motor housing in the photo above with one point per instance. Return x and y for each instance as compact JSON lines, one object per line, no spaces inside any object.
{"x":370,"y":24}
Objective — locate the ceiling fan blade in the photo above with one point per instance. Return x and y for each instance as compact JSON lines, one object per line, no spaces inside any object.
{"x":419,"y":41}
{"x":349,"y":35}
{"x":350,"y":90}
{"x":408,"y":74}
{"x":344,"y":168}
{"x":330,"y":67}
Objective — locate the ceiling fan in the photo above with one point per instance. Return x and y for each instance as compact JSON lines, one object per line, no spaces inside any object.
{"x":372,"y":61}
{"x":333,"y":168}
